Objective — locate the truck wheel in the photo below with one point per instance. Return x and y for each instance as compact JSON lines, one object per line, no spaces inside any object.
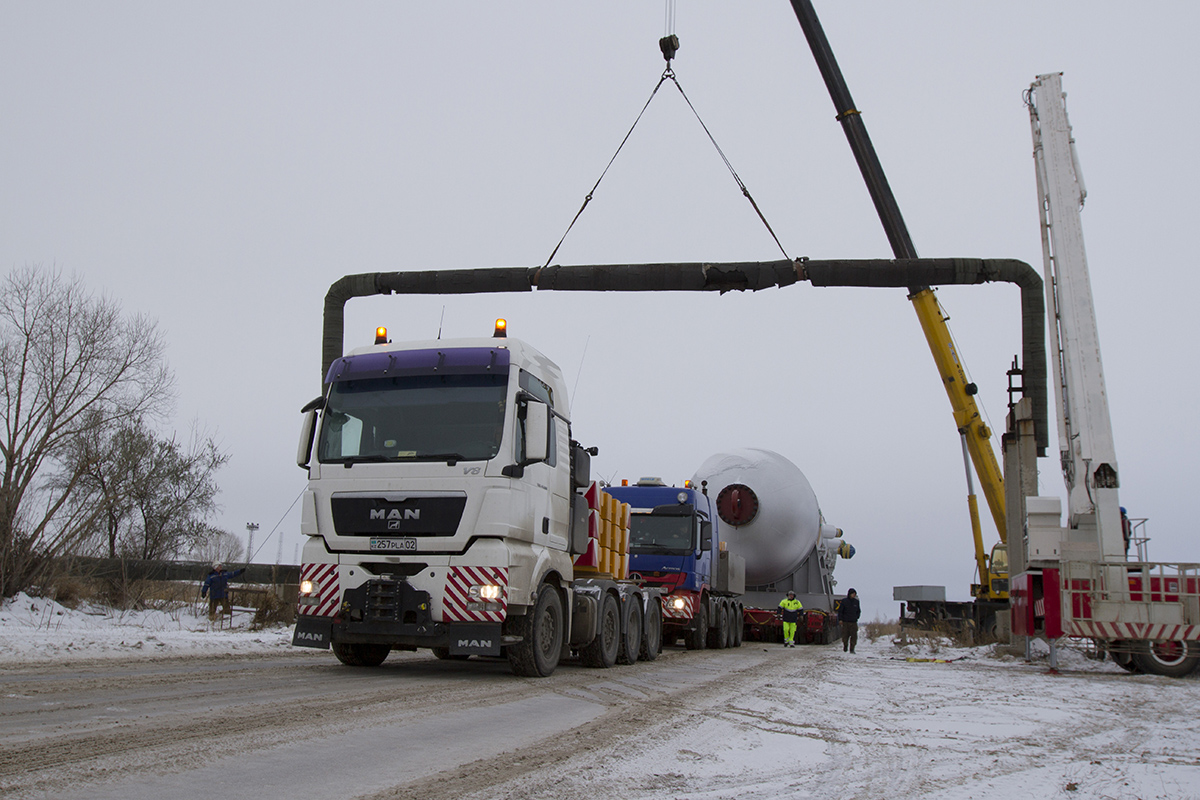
{"x":1172,"y":659}
{"x":601,"y":652}
{"x":652,"y":637}
{"x":361,"y":655}
{"x":735,"y":625}
{"x":718,"y":633}
{"x":541,"y":632}
{"x":694,"y":640}
{"x":631,"y":642}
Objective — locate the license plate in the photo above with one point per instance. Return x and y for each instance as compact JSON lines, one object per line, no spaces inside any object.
{"x":406,"y":544}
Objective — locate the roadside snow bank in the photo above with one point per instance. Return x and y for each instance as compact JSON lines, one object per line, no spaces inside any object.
{"x":1071,"y":657}
{"x":35,"y":629}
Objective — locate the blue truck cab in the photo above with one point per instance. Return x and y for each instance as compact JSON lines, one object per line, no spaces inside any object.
{"x":675,"y":544}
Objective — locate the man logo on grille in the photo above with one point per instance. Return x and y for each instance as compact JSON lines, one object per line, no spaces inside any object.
{"x":395,"y":514}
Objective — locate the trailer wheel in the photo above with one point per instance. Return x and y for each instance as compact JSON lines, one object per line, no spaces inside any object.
{"x":354,"y":654}
{"x":631,"y":642}
{"x":601,"y":652}
{"x":1172,"y":659}
{"x":718,"y":633}
{"x":739,"y":623}
{"x":652,"y":633}
{"x":694,"y":640}
{"x":1122,"y":655}
{"x":732,"y":619}
{"x":541,"y":632}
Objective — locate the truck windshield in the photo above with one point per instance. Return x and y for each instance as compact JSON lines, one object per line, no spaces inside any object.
{"x":670,"y":535}
{"x":414,"y":418}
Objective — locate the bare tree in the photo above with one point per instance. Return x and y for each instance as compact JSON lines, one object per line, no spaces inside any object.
{"x":149,"y":497}
{"x":173,"y":491}
{"x":219,"y":546}
{"x":74,"y":364}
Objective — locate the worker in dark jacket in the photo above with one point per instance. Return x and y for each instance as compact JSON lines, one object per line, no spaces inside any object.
{"x":216,"y":589}
{"x":849,"y":610}
{"x":789,"y":610}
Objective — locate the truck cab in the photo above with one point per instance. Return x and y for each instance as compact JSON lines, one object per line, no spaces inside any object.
{"x":440,"y":497}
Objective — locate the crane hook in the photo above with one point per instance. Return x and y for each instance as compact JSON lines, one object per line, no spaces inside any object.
{"x":669,"y":46}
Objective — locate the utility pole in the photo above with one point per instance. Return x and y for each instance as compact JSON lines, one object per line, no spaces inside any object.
{"x":251,"y":527}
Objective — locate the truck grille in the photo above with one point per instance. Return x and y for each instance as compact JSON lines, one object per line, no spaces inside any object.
{"x":404,"y":516}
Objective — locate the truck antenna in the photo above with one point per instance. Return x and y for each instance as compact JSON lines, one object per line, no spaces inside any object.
{"x":580,"y":372}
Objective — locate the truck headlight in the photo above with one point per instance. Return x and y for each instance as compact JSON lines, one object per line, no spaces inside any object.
{"x":306,"y":587}
{"x":678,"y":603}
{"x":486,"y":591}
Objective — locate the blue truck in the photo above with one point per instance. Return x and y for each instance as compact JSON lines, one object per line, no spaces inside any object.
{"x":676,"y":545}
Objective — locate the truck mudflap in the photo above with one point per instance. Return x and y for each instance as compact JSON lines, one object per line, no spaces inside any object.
{"x":312,"y":632}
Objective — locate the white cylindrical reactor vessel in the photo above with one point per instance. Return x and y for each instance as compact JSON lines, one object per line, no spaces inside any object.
{"x":769,"y":513}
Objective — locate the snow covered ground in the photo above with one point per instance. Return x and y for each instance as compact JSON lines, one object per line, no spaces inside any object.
{"x":34,"y":629}
{"x":927,"y":720}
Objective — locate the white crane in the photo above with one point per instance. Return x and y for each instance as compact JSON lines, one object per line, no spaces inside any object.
{"x":1076,"y":581}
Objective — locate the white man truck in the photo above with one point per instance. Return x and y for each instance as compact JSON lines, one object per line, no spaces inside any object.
{"x":444,"y":511}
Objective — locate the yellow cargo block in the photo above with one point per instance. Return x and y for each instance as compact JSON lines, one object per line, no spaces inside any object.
{"x":605,"y":559}
{"x":606,"y":501}
{"x":625,"y":515}
{"x":623,"y":543}
{"x":624,"y":566}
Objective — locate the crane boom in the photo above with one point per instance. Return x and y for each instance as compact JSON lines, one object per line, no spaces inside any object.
{"x":961,"y":392}
{"x":1088,"y":456}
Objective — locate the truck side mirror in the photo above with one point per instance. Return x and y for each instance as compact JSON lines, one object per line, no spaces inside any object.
{"x":308,"y":429}
{"x":581,"y":467}
{"x":578,"y":536}
{"x":537,"y":431}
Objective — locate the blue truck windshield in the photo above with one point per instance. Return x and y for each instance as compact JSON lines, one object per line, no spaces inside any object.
{"x":669,"y":535}
{"x":414,"y":418}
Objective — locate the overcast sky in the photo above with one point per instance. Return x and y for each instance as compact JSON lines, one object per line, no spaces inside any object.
{"x":218,"y":165}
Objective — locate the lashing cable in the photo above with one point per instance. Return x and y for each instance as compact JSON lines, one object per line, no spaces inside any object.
{"x":669,"y":45}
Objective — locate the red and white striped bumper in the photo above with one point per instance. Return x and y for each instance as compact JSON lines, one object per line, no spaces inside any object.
{"x":683,"y":614}
{"x":1139,"y":631}
{"x":459,"y":605}
{"x":324,"y":599}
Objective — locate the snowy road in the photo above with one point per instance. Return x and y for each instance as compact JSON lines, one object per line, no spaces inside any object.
{"x":755,"y":722}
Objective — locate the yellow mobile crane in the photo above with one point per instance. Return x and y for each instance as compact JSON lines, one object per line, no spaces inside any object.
{"x":976,"y":435}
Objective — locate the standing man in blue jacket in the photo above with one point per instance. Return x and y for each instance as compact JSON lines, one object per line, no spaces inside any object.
{"x":216,"y":589}
{"x":789,"y":610}
{"x":849,"y":610}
